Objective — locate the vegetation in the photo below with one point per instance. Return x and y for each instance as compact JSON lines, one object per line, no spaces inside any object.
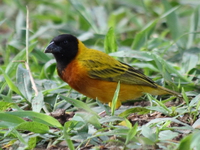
{"x":159,"y":37}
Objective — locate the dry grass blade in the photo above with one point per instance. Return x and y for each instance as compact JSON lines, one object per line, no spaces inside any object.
{"x":27,"y":56}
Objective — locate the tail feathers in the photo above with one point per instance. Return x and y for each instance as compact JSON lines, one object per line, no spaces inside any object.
{"x":163,"y":91}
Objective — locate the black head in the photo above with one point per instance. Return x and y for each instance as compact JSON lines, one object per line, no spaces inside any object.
{"x":64,"y":48}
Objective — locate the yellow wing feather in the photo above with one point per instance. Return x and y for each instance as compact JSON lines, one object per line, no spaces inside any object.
{"x":113,"y":70}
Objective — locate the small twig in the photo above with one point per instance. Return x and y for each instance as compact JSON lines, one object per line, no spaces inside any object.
{"x":31,"y":78}
{"x":27,"y":34}
{"x":27,"y":58}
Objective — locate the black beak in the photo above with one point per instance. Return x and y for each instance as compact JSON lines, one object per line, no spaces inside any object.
{"x":52,"y":48}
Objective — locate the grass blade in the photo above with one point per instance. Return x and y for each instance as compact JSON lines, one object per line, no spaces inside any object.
{"x":193,"y":27}
{"x":67,"y":136}
{"x":115,"y":99}
{"x":80,"y":105}
{"x":173,"y":23}
{"x":9,"y":120}
{"x":10,"y":83}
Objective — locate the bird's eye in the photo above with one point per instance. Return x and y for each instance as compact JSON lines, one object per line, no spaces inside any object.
{"x":65,"y":42}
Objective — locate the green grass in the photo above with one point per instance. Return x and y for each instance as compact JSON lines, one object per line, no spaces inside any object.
{"x":159,"y":37}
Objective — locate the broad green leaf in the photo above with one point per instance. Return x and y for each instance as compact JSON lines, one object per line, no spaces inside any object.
{"x":33,"y":126}
{"x":195,"y":140}
{"x":148,"y":133}
{"x":37,"y":102}
{"x":110,"y":44}
{"x":5,"y":105}
{"x":37,"y":117}
{"x":24,"y":83}
{"x":79,"y":124}
{"x":190,"y":141}
{"x":32,"y":141}
{"x":189,"y":61}
{"x":185,"y":143}
{"x":195,"y":101}
{"x":131,"y":133}
{"x":167,"y":135}
{"x":90,"y":119}
{"x":9,"y":120}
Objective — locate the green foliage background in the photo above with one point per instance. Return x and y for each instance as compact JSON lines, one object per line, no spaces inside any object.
{"x":161,"y":37}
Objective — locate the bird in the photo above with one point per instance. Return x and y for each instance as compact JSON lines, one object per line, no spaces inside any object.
{"x":95,"y":74}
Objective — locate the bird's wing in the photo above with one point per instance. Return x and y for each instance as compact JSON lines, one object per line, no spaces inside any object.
{"x":117,"y":71}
